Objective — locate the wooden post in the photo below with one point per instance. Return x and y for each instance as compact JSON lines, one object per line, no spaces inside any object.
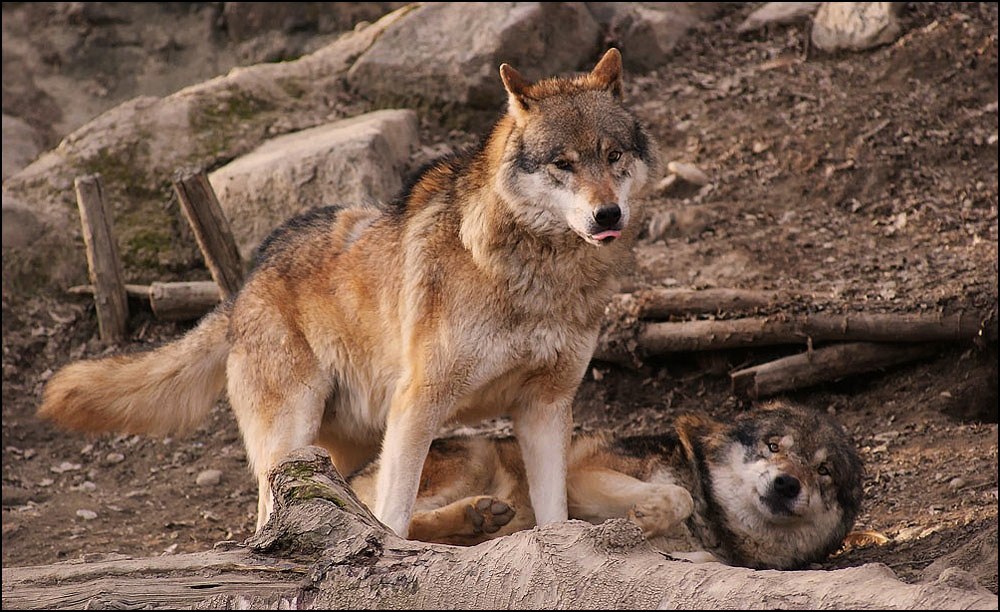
{"x":211,"y":230}
{"x":102,"y":259}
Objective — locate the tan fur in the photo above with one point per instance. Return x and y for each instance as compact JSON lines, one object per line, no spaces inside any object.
{"x":482,"y":296}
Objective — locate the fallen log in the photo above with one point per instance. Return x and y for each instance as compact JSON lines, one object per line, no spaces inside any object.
{"x":323,"y":549}
{"x":664,"y":303}
{"x":671,"y":337}
{"x":823,"y":365}
{"x":179,"y":301}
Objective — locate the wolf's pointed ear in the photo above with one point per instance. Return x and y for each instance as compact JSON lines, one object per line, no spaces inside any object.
{"x":516,"y":86}
{"x":607,"y":74}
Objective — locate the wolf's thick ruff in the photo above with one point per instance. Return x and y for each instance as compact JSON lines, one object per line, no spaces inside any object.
{"x":479,"y":294}
{"x":779,"y":487}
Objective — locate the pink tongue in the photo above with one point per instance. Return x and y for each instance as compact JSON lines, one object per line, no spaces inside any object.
{"x":608,"y":234}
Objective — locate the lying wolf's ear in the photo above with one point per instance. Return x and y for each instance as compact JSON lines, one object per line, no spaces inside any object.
{"x":698,"y":434}
{"x":516,"y":86}
{"x":607,"y":74}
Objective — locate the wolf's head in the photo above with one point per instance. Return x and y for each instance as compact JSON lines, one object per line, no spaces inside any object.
{"x":785,"y":481}
{"x":574,"y":153}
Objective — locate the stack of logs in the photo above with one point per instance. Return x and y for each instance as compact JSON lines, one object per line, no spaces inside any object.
{"x":637,"y":326}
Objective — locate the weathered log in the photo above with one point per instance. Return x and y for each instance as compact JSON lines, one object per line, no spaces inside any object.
{"x":211,"y":230}
{"x":183,"y":301}
{"x":178,"y":301}
{"x":323,"y":549}
{"x":823,"y":365}
{"x":664,"y":303}
{"x":670,"y":337}
{"x":102,"y":259}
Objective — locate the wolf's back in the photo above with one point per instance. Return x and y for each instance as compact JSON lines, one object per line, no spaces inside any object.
{"x":166,"y":390}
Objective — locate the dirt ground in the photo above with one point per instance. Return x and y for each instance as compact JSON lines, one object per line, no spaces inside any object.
{"x":869,"y":179}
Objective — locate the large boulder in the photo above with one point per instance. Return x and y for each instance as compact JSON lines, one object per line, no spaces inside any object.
{"x":777,"y":13}
{"x":137,"y":146}
{"x":450,"y":51}
{"x":648,"y":32}
{"x":21,"y":145}
{"x":361,"y":159}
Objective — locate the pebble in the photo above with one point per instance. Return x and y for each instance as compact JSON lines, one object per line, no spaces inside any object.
{"x":688,"y":172}
{"x":114,"y":458}
{"x":208,"y":478}
{"x":956,"y":483}
{"x":87,"y":515}
{"x":65,"y":466}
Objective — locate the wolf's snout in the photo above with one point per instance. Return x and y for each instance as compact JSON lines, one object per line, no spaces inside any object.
{"x":787,"y":486}
{"x":607,"y":216}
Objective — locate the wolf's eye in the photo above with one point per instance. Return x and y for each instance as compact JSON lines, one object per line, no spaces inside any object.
{"x":823,"y":470}
{"x":773,"y":447}
{"x":614,"y":156}
{"x":563,"y":164}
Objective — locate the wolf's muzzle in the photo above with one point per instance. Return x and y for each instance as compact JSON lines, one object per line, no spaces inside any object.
{"x":607,"y":216}
{"x":787,"y":486}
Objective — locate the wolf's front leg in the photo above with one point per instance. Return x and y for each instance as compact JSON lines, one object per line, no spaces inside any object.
{"x":543,"y":432}
{"x":413,"y":421}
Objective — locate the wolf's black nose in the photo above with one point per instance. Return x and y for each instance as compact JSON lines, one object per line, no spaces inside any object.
{"x":787,"y":486}
{"x":608,"y":215}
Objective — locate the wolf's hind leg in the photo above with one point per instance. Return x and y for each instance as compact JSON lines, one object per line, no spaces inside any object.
{"x":279,"y":408}
{"x":597,"y":494}
{"x":467,"y":521}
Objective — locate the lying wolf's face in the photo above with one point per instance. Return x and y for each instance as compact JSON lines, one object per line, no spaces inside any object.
{"x":575,"y":155}
{"x":791,"y":472}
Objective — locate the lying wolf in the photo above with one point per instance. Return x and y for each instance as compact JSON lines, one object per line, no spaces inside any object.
{"x":779,"y":487}
{"x":481,"y":294}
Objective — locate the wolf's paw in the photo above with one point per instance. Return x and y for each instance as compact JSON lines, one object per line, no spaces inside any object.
{"x":661,"y":510}
{"x":488,"y":514}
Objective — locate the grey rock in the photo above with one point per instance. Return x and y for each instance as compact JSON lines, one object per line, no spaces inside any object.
{"x":208,"y":478}
{"x":350,"y":161}
{"x":450,"y":52}
{"x":21,"y":144}
{"x":855,"y":26}
{"x":21,"y":224}
{"x":777,"y":13}
{"x":87,"y":515}
{"x":648,"y":32}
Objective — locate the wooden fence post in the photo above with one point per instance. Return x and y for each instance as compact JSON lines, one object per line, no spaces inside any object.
{"x":211,"y":230}
{"x":102,"y":259}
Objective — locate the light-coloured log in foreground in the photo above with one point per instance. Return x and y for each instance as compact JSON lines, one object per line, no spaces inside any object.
{"x":323,"y":549}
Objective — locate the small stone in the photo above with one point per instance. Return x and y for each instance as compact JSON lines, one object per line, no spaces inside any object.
{"x":208,"y":478}
{"x":956,"y":483}
{"x":113,"y":458}
{"x":65,"y":466}
{"x":688,"y":172}
{"x":659,"y":223}
{"x":87,"y":515}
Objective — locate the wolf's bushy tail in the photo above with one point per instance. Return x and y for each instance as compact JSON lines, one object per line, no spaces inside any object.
{"x":166,"y":390}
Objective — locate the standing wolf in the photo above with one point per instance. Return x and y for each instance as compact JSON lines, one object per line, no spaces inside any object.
{"x":480,"y":295}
